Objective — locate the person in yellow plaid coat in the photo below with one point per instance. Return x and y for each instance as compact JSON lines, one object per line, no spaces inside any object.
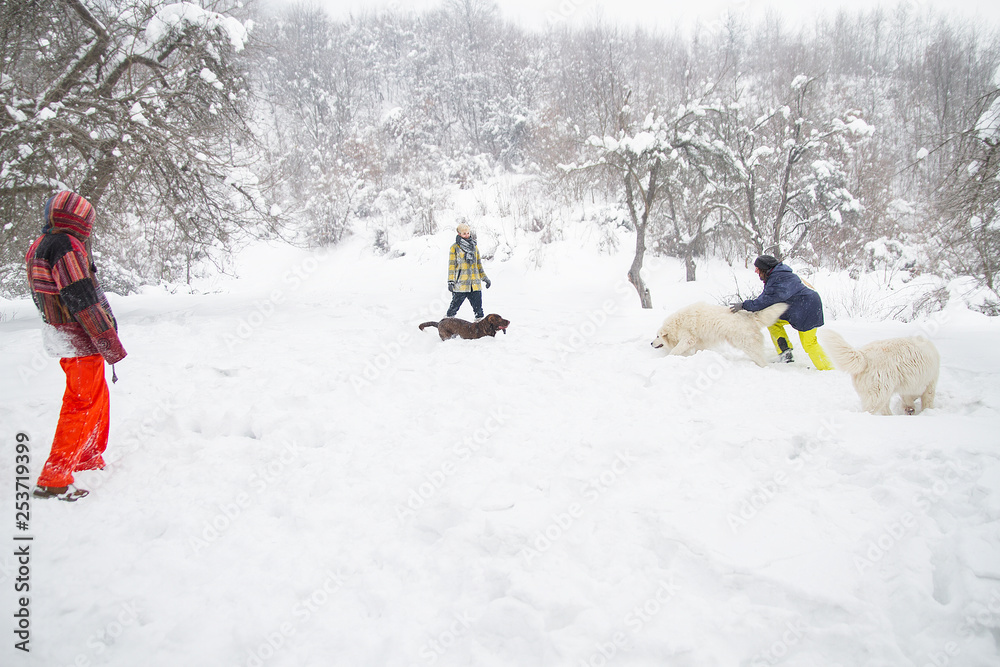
{"x":465,"y":273}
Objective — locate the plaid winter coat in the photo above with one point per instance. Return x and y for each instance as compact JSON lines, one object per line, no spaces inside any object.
{"x":467,"y":276}
{"x":63,"y":283}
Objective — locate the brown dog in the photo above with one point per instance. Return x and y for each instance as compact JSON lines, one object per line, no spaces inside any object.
{"x":450,"y":327}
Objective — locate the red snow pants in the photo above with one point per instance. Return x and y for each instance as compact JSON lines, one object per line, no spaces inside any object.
{"x":82,"y":433}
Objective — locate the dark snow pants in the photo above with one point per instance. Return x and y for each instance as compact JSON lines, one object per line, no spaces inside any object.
{"x":475,"y":298}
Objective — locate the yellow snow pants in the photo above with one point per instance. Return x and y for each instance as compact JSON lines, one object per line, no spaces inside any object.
{"x":809,"y":344}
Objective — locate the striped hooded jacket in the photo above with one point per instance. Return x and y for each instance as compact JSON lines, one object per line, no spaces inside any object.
{"x":465,"y":274}
{"x":63,"y":283}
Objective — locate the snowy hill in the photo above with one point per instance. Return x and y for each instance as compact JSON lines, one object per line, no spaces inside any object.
{"x":298,"y":476}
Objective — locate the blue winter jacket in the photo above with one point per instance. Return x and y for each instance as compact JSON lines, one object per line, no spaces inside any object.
{"x":805,"y":309}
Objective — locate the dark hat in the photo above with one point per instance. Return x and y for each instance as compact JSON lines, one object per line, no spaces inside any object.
{"x":765,"y":263}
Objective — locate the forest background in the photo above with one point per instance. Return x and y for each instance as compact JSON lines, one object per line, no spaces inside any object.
{"x":862,"y":141}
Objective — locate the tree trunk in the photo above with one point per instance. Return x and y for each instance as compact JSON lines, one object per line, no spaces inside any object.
{"x":689,"y":264}
{"x":779,"y":216}
{"x":635,"y":271}
{"x":97,"y":181}
{"x":753,"y":224}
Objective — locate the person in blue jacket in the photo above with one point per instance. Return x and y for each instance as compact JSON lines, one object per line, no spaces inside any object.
{"x":805,"y":309}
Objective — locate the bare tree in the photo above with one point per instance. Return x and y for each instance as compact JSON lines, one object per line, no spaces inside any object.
{"x":970,"y":202}
{"x":144,"y":108}
{"x":658,"y":163}
{"x":786,"y":176}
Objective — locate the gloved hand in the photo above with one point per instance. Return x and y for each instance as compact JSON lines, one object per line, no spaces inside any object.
{"x":736,"y":307}
{"x":451,"y":285}
{"x":488,"y":283}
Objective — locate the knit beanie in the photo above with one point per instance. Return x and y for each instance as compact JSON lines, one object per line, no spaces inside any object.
{"x":765,"y":263}
{"x":69,"y":212}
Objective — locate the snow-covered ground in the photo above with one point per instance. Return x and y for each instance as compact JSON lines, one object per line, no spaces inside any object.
{"x":298,"y":476}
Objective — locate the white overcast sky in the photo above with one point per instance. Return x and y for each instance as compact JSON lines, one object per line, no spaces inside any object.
{"x":537,"y":13}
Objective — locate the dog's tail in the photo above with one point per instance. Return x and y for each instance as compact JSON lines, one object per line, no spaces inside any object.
{"x":843,"y":356}
{"x":771,"y":314}
{"x":428,"y":324}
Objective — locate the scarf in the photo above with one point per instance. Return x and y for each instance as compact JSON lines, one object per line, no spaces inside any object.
{"x":467,"y":246}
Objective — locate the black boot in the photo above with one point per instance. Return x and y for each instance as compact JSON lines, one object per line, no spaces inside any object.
{"x":786,"y":352}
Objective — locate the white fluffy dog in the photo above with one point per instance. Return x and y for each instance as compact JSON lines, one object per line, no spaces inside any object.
{"x":702,"y":325}
{"x":905,"y":366}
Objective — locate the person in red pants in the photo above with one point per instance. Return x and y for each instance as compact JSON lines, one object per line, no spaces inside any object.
{"x":80,"y":328}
